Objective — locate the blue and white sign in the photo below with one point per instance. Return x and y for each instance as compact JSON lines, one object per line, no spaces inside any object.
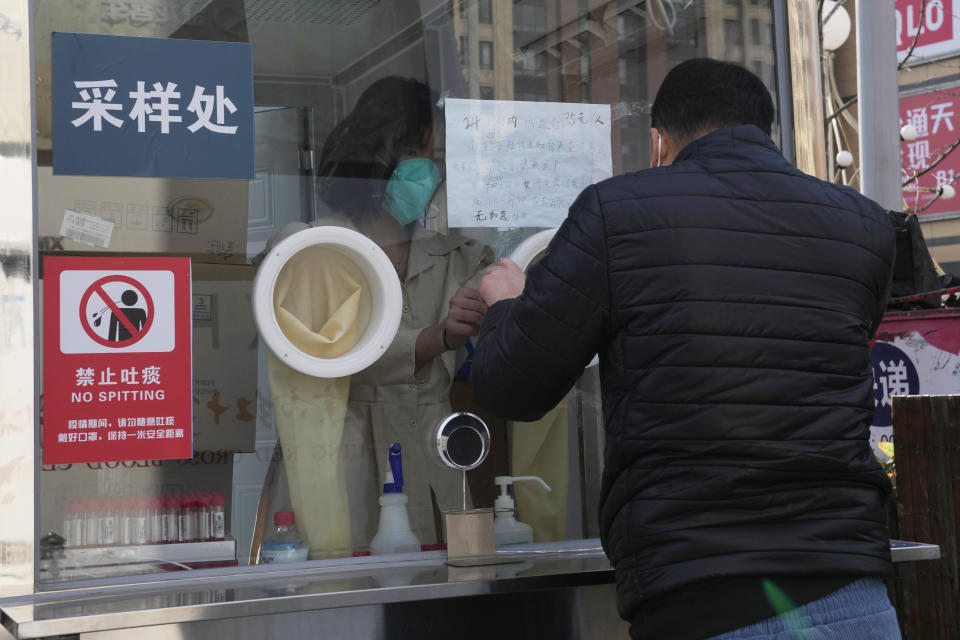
{"x":894,"y":374}
{"x":153,"y":107}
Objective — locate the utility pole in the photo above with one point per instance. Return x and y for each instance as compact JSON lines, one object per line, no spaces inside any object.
{"x":878,"y":103}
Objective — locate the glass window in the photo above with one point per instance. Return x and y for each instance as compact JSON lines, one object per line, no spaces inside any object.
{"x":485,"y":10}
{"x":486,"y":55}
{"x":755,"y":31}
{"x":733,"y":32}
{"x":529,"y":14}
{"x":347,"y":103}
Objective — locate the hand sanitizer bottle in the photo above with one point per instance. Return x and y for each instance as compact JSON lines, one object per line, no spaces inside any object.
{"x":507,"y":530}
{"x":394,"y":534}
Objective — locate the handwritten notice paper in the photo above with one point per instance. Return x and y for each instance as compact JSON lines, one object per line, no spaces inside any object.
{"x":522,"y":164}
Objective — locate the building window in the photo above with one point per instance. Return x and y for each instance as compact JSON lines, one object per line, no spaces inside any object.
{"x":486,"y":55}
{"x":755,"y":31}
{"x":486,"y":93}
{"x":530,"y":15}
{"x":464,"y":56}
{"x":486,"y":11}
{"x":732,"y":33}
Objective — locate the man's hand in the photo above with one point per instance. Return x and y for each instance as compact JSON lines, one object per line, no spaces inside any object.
{"x":502,"y":281}
{"x":464,"y":318}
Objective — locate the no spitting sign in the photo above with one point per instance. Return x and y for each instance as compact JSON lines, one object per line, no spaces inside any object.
{"x":116,"y":361}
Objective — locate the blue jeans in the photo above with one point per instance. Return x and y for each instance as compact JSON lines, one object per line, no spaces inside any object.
{"x":858,"y":611}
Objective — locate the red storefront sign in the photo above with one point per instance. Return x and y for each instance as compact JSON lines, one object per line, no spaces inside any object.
{"x":936,"y":117}
{"x":934,"y":25}
{"x":116,"y":359}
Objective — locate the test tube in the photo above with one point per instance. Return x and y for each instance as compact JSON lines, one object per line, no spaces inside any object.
{"x":188,"y":518}
{"x":124,"y":520}
{"x":156,"y":519}
{"x":91,"y":521}
{"x":203,"y":517}
{"x":171,"y":518}
{"x":140,"y":529}
{"x":107,"y":521}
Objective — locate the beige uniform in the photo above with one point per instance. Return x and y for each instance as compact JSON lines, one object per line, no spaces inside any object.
{"x":389,"y":403}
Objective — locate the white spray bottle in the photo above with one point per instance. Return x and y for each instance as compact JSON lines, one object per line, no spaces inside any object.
{"x":394,"y":534}
{"x":507,"y":530}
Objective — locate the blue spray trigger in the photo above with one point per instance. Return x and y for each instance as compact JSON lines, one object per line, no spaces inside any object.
{"x":396,"y":469}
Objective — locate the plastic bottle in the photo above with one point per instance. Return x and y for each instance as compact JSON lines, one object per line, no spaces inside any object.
{"x":286,"y":544}
{"x":507,"y":530}
{"x":394,"y":534}
{"x":218,"y":524}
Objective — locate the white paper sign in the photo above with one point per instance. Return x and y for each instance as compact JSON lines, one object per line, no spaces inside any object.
{"x":86,"y":229}
{"x":522,"y":164}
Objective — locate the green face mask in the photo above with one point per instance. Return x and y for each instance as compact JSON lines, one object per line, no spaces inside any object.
{"x":410,"y":189}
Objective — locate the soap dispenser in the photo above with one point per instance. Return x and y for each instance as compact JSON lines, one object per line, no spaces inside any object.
{"x":507,"y":530}
{"x":394,"y":534}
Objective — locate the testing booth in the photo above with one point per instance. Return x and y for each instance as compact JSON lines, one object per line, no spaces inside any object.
{"x":234,"y":231}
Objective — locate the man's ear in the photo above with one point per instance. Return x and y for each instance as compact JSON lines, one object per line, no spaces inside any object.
{"x":663,"y":148}
{"x":656,"y":147}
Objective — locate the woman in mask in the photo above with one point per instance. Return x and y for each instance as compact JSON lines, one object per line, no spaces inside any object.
{"x":380,"y":173}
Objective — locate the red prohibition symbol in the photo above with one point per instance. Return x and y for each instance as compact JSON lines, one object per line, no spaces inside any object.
{"x":126,"y":324}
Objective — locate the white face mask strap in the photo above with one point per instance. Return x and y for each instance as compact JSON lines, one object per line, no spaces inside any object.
{"x":659,"y":144}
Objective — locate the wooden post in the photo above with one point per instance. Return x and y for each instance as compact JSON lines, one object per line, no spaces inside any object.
{"x":927,"y":456}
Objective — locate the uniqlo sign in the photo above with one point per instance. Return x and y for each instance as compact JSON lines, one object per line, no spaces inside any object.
{"x":936,"y":117}
{"x":934,"y":21}
{"x":116,"y":359}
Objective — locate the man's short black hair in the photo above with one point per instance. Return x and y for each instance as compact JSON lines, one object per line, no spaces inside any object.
{"x":702,"y":95}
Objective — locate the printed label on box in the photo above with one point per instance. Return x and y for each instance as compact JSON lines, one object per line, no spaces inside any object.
{"x":86,"y":228}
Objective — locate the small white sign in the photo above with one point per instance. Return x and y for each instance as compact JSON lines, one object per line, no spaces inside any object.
{"x":116,"y":311}
{"x":86,"y":229}
{"x":522,"y":164}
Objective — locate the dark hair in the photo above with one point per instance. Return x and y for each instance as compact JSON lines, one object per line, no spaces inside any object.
{"x":702,"y":95}
{"x":393,"y":116}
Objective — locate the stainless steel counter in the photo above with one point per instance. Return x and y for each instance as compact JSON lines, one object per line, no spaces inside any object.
{"x":350,"y":582}
{"x":254,"y":601}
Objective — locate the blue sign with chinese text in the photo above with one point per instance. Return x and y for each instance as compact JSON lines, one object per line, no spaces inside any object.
{"x":153,"y":107}
{"x":894,"y":374}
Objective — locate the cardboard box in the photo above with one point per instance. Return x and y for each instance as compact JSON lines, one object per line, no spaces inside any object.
{"x":203,"y":219}
{"x":224,"y":359}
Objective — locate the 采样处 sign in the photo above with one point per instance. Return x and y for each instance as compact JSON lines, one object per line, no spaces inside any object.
{"x":154,"y":107}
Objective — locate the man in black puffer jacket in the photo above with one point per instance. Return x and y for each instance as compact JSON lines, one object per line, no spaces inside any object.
{"x":732,"y":300}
